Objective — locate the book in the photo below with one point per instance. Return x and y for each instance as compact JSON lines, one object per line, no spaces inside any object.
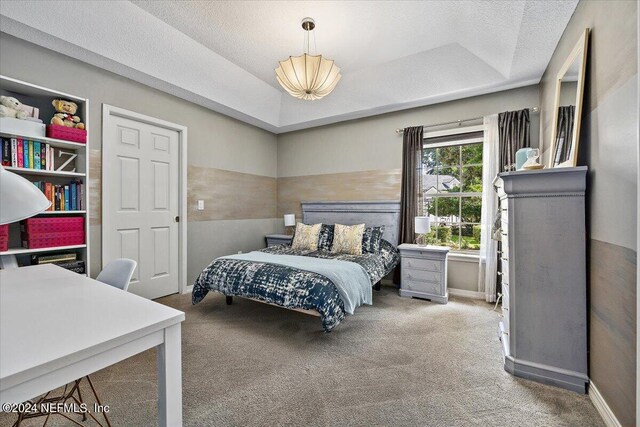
{"x":13,"y":149}
{"x":65,"y":197}
{"x":72,"y":191}
{"x":25,"y":145}
{"x":30,"y":147}
{"x":75,"y":266}
{"x":59,"y":257}
{"x":49,"y":157}
{"x":36,"y":155}
{"x":7,"y":153}
{"x":47,"y":194}
{"x":43,"y":156}
{"x":20,"y":151}
{"x":81,"y":196}
{"x":58,"y":197}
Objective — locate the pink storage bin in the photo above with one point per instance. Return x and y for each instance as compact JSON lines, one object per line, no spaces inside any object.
{"x":52,"y":225}
{"x":48,"y":240}
{"x":4,"y":244}
{"x":4,"y":230}
{"x":67,"y":133}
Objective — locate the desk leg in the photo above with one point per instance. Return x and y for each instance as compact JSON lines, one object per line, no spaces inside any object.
{"x":170,"y":378}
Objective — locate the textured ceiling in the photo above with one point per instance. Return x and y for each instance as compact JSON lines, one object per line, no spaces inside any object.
{"x":222,"y":55}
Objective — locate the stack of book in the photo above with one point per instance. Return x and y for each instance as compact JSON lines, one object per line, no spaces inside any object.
{"x":67,"y":197}
{"x":22,"y":153}
{"x":68,"y":260}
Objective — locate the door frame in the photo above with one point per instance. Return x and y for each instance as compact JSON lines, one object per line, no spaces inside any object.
{"x":109,"y":111}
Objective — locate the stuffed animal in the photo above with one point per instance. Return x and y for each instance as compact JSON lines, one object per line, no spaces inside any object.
{"x":10,"y":107}
{"x":64,"y":115}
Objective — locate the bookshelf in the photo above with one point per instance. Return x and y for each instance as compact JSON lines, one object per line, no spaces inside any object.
{"x":78,"y":169}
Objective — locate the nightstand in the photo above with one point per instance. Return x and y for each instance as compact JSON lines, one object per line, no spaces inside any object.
{"x":278,"y":239}
{"x":424,"y":272}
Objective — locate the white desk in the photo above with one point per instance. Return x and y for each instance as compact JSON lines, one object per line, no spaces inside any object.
{"x":57,"y":326}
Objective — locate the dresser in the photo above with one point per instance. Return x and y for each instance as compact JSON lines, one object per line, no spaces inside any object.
{"x":278,"y":239}
{"x":424,"y":272}
{"x":544,"y":293}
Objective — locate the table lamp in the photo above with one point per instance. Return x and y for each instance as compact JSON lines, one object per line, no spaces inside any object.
{"x":422,"y":226}
{"x":289,"y":221}
{"x":19,"y":199}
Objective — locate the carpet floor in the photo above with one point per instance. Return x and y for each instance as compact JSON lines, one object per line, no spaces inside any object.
{"x":400,"y":362}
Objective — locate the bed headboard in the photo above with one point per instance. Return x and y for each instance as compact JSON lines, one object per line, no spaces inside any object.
{"x":372,"y":213}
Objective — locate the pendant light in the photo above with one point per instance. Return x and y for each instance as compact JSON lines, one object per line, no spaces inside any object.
{"x":308,"y":77}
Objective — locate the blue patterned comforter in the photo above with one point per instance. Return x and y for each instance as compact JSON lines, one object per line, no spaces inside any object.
{"x":289,"y":287}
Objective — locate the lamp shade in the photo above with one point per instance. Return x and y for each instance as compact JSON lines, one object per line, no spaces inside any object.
{"x":423,"y":224}
{"x":308,"y":77}
{"x":289,"y":220}
{"x":19,"y":198}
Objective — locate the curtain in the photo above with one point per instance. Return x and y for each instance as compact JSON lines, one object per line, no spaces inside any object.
{"x":514,"y":135}
{"x":491,"y":155}
{"x":564,"y":134}
{"x":411,"y":196}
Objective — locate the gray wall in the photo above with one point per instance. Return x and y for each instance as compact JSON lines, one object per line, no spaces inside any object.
{"x":609,"y":144}
{"x":241,"y":157}
{"x":363,"y":158}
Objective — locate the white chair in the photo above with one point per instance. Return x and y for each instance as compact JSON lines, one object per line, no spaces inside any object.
{"x":118,"y":273}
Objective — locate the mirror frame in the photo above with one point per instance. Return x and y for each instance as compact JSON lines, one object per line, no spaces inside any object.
{"x":579,"y":51}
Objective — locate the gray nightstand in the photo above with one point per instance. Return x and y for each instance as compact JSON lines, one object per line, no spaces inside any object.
{"x":278,"y":239}
{"x":424,"y":272}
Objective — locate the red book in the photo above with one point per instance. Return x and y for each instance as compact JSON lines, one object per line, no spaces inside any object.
{"x":20,"y":154}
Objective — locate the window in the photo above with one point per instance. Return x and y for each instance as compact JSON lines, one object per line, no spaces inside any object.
{"x":452,"y":186}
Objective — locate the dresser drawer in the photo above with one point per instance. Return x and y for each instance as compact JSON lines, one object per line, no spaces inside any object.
{"x":426,"y":287}
{"x":421,"y":264}
{"x":415,"y":275}
{"x":505,"y":247}
{"x":505,"y":319}
{"x":504,"y":218}
{"x":505,"y":295}
{"x":505,"y":271}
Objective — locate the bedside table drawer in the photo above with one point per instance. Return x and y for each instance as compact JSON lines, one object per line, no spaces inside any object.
{"x":414,"y":275}
{"x":426,"y":287}
{"x":421,"y":264}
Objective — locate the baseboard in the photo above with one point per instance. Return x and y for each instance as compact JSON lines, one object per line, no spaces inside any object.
{"x":465,"y":293}
{"x":603,"y":409}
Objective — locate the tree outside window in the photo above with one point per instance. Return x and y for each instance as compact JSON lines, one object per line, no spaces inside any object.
{"x":452,"y":185}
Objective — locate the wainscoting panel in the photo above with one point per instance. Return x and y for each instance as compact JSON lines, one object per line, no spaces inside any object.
{"x":381,"y":184}
{"x":229,"y":195}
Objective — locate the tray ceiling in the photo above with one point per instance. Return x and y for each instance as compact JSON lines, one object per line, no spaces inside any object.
{"x":222,"y":54}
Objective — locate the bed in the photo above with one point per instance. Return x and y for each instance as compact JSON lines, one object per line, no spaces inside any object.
{"x":317,"y":282}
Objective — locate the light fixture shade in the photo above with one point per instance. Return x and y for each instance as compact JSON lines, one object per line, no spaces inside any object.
{"x":307,"y":76}
{"x":423,"y":224}
{"x":289,"y":220}
{"x":19,"y":198}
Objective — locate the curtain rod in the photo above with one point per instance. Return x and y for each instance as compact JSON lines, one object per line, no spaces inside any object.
{"x":535,"y":109}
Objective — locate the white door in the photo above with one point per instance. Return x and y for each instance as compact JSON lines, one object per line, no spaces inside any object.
{"x":140,"y":173}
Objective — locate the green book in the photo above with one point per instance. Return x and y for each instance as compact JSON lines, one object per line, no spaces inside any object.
{"x":30,"y":154}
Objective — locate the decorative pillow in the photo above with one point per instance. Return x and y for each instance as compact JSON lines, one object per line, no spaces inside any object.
{"x":326,"y":237}
{"x":371,"y":239}
{"x":348,"y":239}
{"x":306,"y":237}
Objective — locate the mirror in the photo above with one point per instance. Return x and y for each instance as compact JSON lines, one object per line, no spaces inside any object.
{"x":568,"y":106}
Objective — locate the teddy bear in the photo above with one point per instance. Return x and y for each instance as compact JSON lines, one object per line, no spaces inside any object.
{"x":64,"y":115}
{"x":10,"y":107}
